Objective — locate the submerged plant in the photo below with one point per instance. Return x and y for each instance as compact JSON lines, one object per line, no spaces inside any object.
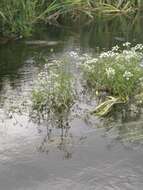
{"x":53,"y":95}
{"x":117,"y":73}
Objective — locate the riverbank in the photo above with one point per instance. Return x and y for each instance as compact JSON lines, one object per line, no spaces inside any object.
{"x":18,"y":18}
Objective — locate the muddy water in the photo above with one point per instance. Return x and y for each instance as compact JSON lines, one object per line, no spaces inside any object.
{"x":89,"y":158}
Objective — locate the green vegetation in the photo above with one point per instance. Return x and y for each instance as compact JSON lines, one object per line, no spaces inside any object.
{"x":115,"y":76}
{"x":117,"y":73}
{"x":53,"y":95}
{"x":19,"y":17}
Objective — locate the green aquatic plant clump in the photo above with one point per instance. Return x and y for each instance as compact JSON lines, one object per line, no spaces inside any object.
{"x":117,"y":73}
{"x":53,"y":95}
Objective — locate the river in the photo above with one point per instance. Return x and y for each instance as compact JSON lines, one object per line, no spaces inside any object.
{"x":91,"y":157}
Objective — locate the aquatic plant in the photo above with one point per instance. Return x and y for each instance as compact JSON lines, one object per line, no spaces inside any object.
{"x":115,"y":7}
{"x":53,"y":95}
{"x":19,"y":17}
{"x":117,"y":73}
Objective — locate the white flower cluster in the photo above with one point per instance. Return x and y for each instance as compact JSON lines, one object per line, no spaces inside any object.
{"x":126,"y":44}
{"x":115,"y":48}
{"x":138,"y":47}
{"x":110,"y":72}
{"x":89,"y":64}
{"x":127,"y":75}
{"x":88,"y":67}
{"x":48,"y":79}
{"x":91,"y":61}
{"x":108,"y":54}
{"x":128,"y":54}
{"x":73,"y":54}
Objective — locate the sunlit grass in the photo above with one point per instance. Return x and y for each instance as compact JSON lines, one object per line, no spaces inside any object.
{"x":18,"y":17}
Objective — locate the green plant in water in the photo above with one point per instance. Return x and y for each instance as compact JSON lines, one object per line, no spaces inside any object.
{"x":19,"y":17}
{"x":53,"y":95}
{"x":117,"y":73}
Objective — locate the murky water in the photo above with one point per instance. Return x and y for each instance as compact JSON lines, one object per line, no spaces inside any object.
{"x":89,"y":158}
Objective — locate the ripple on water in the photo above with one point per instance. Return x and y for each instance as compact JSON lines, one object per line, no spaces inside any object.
{"x":109,"y":177}
{"x":91,"y":165}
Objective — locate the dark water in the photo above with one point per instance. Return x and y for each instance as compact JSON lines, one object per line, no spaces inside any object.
{"x":90,"y":158}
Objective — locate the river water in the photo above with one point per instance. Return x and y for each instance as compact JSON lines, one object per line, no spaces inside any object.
{"x":90,"y":157}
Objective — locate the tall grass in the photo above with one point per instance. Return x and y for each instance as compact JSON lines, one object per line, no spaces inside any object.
{"x":17,"y":17}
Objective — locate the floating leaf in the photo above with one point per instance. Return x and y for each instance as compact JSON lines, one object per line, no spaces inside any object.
{"x":105,"y":107}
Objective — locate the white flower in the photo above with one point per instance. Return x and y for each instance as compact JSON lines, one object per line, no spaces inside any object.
{"x":138,"y":47}
{"x":115,"y":48}
{"x":110,"y":72}
{"x":88,"y":67}
{"x":104,"y":55}
{"x":73,"y":54}
{"x":85,"y":55}
{"x":127,"y":75}
{"x":46,"y":66}
{"x":108,"y":54}
{"x":92,"y":61}
{"x":52,"y":74}
{"x":126,"y":44}
{"x":141,"y":79}
{"x":128,"y":54}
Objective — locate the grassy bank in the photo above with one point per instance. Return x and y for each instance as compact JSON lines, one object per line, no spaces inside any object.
{"x":19,"y":17}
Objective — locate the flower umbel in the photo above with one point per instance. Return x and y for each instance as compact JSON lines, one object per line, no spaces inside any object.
{"x":110,"y":72}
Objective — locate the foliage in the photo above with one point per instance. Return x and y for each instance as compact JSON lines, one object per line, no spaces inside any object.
{"x":17,"y":17}
{"x":117,"y":73}
{"x":105,"y":107}
{"x":115,"y":7}
{"x":53,"y":95}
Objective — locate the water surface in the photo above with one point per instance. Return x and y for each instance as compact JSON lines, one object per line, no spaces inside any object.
{"x":89,"y":158}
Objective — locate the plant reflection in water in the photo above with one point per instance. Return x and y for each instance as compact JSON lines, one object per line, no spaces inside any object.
{"x":63,"y":142}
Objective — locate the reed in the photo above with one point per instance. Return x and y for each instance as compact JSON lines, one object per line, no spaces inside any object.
{"x":19,"y":17}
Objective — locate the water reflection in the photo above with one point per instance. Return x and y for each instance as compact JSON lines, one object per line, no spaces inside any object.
{"x":127,"y":124}
{"x":92,"y":163}
{"x":63,"y":143}
{"x":107,"y":32}
{"x":103,"y":33}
